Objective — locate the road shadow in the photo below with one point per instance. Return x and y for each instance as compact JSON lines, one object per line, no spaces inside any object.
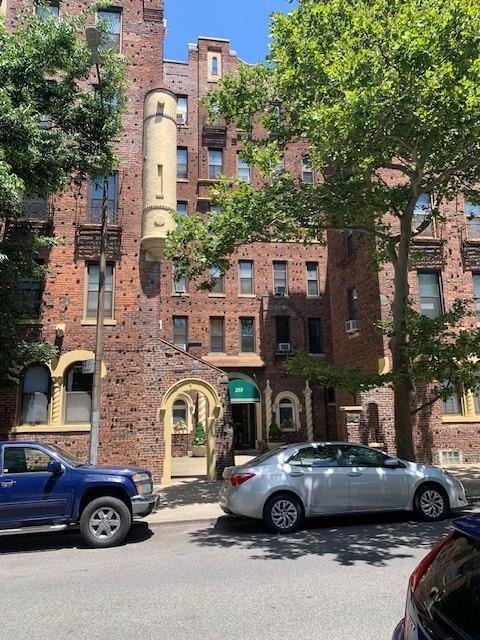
{"x":71,"y":539}
{"x":376,"y":540}
{"x":189,"y":492}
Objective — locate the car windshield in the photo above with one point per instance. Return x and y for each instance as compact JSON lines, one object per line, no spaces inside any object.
{"x":71,"y":460}
{"x":449,"y":592}
{"x":264,"y":456}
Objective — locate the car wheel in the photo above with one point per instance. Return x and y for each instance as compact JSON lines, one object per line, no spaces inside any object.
{"x":431,"y":502}
{"x":283,"y":513}
{"x":105,"y":522}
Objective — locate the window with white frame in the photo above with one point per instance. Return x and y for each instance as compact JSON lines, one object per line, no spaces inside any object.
{"x":217,"y":280}
{"x":47,"y":10}
{"x":93,"y":275}
{"x":180,"y":283}
{"x":245,"y":275}
{"x":180,"y":414}
{"x":472,"y":213}
{"x":243,"y":169}
{"x":247,"y":335}
{"x":312,"y":279}
{"x":182,"y":109}
{"x":182,"y":163}
{"x":180,"y":332}
{"x":287,"y":412}
{"x":215,"y":163}
{"x":113,"y":21}
{"x":217,"y":335}
{"x":280,"y":278}
{"x":78,"y":393}
{"x":307,"y":171}
{"x":35,"y":399}
{"x":423,"y":209}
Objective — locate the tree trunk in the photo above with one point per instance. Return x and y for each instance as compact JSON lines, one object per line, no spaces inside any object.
{"x":399,"y":346}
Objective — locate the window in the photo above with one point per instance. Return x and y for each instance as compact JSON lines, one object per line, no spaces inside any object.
{"x":247,"y":335}
{"x":321,"y":456}
{"x":78,"y":393}
{"x":476,"y":400}
{"x":48,"y":10}
{"x":243,"y":169}
{"x":452,"y":406}
{"x":279,"y":168}
{"x":25,"y":460}
{"x":312,"y":279}
{"x":35,"y":395}
{"x":315,"y":342}
{"x":29,"y":297}
{"x":423,"y":208}
{"x":307,"y":171}
{"x":280,"y":280}
{"x":362,"y":457}
{"x":286,"y":414}
{"x":214,"y":66}
{"x":430,"y":294}
{"x":472,"y":212}
{"x":93,"y":274}
{"x":96,"y":199}
{"x":180,"y":414}
{"x":245,"y":274}
{"x":352,"y":304}
{"x":217,"y":280}
{"x":180,"y":283}
{"x":476,"y":290}
{"x":113,"y":23}
{"x":217,"y":335}
{"x":282,"y":331}
{"x":180,"y":332}
{"x":349,"y":245}
{"x":182,"y":109}
{"x":182,"y":163}
{"x":182,"y":210}
{"x":215,"y":163}
{"x":34,"y":208}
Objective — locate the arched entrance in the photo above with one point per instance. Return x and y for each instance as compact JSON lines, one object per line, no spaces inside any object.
{"x":213,"y":411}
{"x":245,"y":400}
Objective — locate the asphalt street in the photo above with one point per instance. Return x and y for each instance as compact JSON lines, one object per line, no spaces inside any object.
{"x":339,"y":579}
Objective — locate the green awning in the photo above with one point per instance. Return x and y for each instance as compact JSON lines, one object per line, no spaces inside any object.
{"x":242,"y":391}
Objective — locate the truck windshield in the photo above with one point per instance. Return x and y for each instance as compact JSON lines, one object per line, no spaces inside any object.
{"x":71,"y":460}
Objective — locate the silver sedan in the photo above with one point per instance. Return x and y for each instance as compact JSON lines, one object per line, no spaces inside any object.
{"x":311,"y":479}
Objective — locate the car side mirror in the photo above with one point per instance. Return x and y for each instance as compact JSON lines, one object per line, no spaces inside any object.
{"x":393,"y":463}
{"x":55,"y":468}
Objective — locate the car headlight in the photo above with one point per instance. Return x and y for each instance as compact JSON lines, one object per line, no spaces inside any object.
{"x":143,"y":483}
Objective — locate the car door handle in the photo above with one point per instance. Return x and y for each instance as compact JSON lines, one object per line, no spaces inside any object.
{"x":354,"y":474}
{"x":296,"y":474}
{"x":4,"y":484}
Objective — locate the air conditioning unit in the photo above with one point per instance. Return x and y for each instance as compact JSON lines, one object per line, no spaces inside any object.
{"x":284,"y":347}
{"x":181,"y":118}
{"x":280,"y":291}
{"x":351,"y":326}
{"x":181,"y":346}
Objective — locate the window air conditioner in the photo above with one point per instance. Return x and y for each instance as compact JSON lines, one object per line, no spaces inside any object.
{"x":351,"y":326}
{"x":280,"y":291}
{"x":284,"y":347}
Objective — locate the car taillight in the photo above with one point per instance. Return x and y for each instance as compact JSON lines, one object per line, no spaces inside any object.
{"x":237,"y":479}
{"x":426,"y":562}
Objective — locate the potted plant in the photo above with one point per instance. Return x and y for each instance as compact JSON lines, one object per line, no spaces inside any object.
{"x":199,"y":441}
{"x":275,"y":436}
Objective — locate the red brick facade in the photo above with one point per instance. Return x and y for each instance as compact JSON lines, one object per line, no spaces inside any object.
{"x":141,"y":362}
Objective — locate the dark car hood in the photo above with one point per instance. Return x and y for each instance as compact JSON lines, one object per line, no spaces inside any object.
{"x":114,"y":470}
{"x":468,"y":525}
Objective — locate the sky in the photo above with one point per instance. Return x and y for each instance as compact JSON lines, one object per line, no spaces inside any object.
{"x":243,"y":22}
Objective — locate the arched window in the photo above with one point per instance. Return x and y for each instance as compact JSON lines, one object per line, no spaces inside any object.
{"x":78,"y":393}
{"x":214,"y":67}
{"x":286,"y":414}
{"x":35,"y":395}
{"x":180,"y":414}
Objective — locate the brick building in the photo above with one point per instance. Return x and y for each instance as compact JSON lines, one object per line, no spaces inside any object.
{"x":175,"y":356}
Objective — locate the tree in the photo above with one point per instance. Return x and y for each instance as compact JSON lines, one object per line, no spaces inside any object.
{"x":377,"y":89}
{"x":54,"y":129}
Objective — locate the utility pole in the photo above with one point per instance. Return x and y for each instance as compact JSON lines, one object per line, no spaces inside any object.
{"x":93,"y":40}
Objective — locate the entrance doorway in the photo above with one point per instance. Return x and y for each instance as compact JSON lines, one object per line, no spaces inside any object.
{"x":244,"y":426}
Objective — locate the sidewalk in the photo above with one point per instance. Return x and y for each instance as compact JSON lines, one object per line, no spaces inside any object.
{"x":192,"y":497}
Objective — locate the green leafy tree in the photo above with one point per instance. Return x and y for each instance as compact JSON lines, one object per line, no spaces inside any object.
{"x":54,"y":129}
{"x":386,"y":94}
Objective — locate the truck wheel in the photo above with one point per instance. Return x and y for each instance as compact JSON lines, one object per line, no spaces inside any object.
{"x":105,"y":522}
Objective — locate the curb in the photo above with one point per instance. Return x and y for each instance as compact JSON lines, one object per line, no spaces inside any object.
{"x":162,"y":523}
